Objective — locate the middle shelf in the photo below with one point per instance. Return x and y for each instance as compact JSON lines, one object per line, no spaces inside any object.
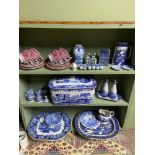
{"x":96,"y":102}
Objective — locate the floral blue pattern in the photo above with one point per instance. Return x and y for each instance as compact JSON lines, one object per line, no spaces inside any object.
{"x":72,"y":90}
{"x":90,"y":126}
{"x":49,"y":126}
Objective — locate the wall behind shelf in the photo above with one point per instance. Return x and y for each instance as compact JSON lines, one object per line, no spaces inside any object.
{"x":77,"y":10}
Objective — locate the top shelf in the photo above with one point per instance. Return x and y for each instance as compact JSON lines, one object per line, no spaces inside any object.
{"x":44,"y":71}
{"x":79,"y":26}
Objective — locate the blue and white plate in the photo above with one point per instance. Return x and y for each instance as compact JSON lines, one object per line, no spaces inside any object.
{"x":100,"y":130}
{"x":49,"y":126}
{"x":116,"y":67}
{"x":127,"y":67}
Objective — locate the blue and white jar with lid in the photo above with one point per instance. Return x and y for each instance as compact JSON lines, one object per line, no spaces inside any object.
{"x":79,"y":52}
{"x":121,"y":53}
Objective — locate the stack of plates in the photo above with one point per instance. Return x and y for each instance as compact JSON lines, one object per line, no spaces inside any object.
{"x":49,"y":126}
{"x":89,"y":126}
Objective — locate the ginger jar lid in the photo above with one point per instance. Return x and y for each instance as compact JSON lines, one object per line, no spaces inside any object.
{"x":72,"y":82}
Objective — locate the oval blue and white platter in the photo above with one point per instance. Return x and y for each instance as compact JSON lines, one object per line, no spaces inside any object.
{"x":89,"y":126}
{"x":49,"y":126}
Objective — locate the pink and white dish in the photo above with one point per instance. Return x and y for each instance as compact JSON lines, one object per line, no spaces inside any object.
{"x":30,"y":59}
{"x":59,"y":59}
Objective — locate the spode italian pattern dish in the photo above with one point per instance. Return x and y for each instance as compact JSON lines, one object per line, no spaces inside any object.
{"x":49,"y":126}
{"x":72,"y":89}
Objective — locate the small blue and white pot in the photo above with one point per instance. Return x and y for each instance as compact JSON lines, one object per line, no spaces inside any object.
{"x":79,"y":52}
{"x":38,"y":95}
{"x":29,"y":95}
{"x":121,"y":53}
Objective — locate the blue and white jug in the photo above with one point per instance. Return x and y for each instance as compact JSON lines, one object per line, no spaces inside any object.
{"x":121,"y":53}
{"x":79,"y":52}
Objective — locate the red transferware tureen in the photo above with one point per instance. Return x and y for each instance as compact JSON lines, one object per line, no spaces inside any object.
{"x":30,"y":59}
{"x":58,"y":59}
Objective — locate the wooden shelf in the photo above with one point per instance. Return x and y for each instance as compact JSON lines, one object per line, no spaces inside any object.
{"x":97,"y":102}
{"x":44,"y":71}
{"x":78,"y":26}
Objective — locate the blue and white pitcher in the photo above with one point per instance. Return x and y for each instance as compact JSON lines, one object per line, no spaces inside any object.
{"x":121,"y":53}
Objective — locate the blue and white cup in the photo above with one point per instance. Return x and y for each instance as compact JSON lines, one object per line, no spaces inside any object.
{"x":97,"y":67}
{"x":89,"y":67}
{"x":121,"y":53}
{"x":93,"y":67}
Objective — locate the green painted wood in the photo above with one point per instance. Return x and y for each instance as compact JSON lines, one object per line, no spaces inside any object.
{"x":79,"y":10}
{"x":130,"y":116}
{"x":45,"y":71}
{"x":69,"y":26}
{"x":97,"y":102}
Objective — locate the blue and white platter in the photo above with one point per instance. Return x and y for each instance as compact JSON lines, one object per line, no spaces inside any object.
{"x":99,"y":94}
{"x":49,"y":126}
{"x":89,"y":125}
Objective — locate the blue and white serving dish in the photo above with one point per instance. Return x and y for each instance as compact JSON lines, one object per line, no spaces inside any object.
{"x":110,"y":97}
{"x":72,"y":90}
{"x":49,"y":126}
{"x":96,"y":125}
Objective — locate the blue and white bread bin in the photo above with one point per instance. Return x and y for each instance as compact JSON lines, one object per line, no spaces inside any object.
{"x":72,"y":90}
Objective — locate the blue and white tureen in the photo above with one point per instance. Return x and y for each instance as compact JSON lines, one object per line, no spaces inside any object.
{"x":49,"y":126}
{"x":72,"y":89}
{"x":97,"y":125}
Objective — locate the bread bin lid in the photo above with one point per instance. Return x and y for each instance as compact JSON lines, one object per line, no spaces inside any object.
{"x":72,"y":82}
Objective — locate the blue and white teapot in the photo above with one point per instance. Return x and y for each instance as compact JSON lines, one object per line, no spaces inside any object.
{"x":79,"y":52}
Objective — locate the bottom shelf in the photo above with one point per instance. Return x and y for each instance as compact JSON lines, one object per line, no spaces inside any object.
{"x":28,"y":113}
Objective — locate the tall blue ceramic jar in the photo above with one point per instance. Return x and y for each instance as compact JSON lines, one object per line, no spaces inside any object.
{"x":79,"y":52}
{"x":121,"y":53}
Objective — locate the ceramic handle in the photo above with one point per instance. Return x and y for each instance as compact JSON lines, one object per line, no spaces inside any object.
{"x":129,"y":52}
{"x":23,"y":140}
{"x":112,"y":113}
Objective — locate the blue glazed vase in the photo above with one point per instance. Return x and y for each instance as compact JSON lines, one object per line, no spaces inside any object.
{"x":120,"y":53}
{"x":79,"y":52}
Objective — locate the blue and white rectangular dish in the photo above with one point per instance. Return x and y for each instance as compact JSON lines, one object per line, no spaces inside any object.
{"x":72,"y":90}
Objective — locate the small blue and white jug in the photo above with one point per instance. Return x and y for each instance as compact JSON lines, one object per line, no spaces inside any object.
{"x":120,"y":53}
{"x":79,"y":52}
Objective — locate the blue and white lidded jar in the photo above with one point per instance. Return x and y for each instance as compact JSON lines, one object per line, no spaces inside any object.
{"x":72,"y":90}
{"x":120,"y":53}
{"x":79,"y":52}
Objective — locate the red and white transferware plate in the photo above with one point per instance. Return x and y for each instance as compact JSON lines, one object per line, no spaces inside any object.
{"x":59,"y":59}
{"x":30,"y":59}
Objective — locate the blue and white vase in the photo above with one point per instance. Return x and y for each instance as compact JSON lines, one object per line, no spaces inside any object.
{"x":120,"y":53}
{"x":79,"y":52}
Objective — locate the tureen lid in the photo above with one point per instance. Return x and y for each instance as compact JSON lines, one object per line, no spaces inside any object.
{"x":72,"y":82}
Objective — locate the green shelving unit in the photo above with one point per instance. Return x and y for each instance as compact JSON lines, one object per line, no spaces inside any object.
{"x":44,"y":38}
